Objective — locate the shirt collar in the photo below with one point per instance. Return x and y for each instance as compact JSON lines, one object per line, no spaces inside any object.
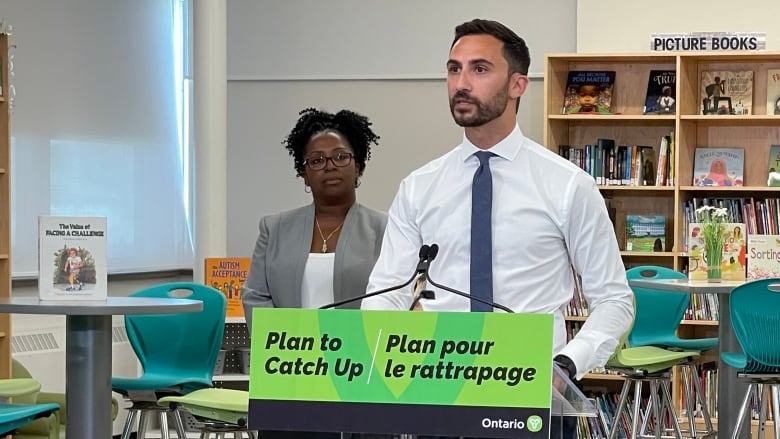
{"x":507,"y":148}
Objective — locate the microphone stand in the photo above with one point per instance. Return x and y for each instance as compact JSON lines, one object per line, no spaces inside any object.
{"x":422,"y":267}
{"x":433,"y":251}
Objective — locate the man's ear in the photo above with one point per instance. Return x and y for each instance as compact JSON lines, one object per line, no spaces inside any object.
{"x":517,"y":85}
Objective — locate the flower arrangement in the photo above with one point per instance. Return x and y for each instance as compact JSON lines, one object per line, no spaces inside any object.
{"x":713,"y":221}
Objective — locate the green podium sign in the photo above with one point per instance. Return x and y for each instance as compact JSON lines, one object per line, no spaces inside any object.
{"x":437,"y":373}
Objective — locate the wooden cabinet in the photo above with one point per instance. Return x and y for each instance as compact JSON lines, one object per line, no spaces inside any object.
{"x":5,"y":208}
{"x":692,"y":129}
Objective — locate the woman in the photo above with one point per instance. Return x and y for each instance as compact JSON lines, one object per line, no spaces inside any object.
{"x":317,"y":254}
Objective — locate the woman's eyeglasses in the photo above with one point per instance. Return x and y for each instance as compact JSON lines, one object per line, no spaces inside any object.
{"x":317,"y":162}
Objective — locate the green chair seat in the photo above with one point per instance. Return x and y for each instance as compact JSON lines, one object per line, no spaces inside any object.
{"x":18,"y":386}
{"x":649,"y":358}
{"x":224,"y":405}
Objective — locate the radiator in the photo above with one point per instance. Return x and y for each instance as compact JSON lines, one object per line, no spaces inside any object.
{"x":38,"y":342}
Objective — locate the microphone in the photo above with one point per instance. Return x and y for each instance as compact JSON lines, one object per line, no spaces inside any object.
{"x":434,"y":250}
{"x":422,"y":267}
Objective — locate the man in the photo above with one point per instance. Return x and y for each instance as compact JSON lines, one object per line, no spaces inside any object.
{"x":546,"y":215}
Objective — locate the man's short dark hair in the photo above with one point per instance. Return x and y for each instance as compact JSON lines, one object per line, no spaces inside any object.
{"x":515,"y":50}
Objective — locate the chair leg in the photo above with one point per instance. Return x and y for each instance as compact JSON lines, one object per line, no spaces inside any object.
{"x":619,"y":411}
{"x":705,"y":412}
{"x":616,"y":424}
{"x":776,"y":409}
{"x":763,"y":392}
{"x":131,"y":414}
{"x":656,"y":402}
{"x":143,"y":421}
{"x":637,"y":403}
{"x":181,"y":432}
{"x":690,"y":398}
{"x":670,"y":406}
{"x":164,"y":432}
{"x":743,"y":411}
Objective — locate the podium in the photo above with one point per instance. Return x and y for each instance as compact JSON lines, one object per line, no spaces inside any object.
{"x":410,"y":373}
{"x":568,"y":403}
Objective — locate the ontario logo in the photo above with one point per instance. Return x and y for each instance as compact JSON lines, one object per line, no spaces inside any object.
{"x":533,"y":424}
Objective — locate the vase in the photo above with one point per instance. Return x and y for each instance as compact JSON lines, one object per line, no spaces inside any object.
{"x":714,"y":259}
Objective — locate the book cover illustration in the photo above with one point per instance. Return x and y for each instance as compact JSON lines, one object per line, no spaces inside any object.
{"x":661,"y":92}
{"x":72,"y":258}
{"x":727,"y":92}
{"x":734,"y":252}
{"x":773,"y":92}
{"x":588,"y":92}
{"x":773,"y":167}
{"x":645,"y":233}
{"x":228,"y":275}
{"x":763,"y":256}
{"x":718,"y":166}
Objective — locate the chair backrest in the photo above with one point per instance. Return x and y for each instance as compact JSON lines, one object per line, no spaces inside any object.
{"x":184,"y":344}
{"x":19,"y":371}
{"x":658,"y":313}
{"x":755,"y":316}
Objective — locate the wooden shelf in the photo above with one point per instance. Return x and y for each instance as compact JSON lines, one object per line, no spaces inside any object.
{"x":755,"y":133}
{"x":231,"y":377}
{"x":602,"y":377}
{"x":699,"y":322}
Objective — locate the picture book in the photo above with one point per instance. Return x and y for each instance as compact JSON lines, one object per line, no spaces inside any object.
{"x":734,"y":252}
{"x":773,"y":92}
{"x":72,"y":258}
{"x":228,"y":275}
{"x":763,"y":256}
{"x":773,"y":167}
{"x":588,"y":92}
{"x":661,"y":95}
{"x":645,"y":233}
{"x":727,"y":92}
{"x":718,"y":166}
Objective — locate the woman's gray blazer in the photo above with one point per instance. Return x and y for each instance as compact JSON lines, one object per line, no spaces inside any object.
{"x":283,"y":246}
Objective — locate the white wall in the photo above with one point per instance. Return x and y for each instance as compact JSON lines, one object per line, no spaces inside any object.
{"x":385,"y":59}
{"x":608,"y":26}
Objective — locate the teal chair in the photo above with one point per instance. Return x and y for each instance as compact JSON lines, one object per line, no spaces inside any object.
{"x":220,"y":410}
{"x":656,"y":325}
{"x":640,"y":365}
{"x":755,"y":317}
{"x":177,"y":353}
{"x":14,"y":416}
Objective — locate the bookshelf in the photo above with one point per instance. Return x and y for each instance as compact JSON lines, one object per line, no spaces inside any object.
{"x":629,"y":126}
{"x":5,"y":208}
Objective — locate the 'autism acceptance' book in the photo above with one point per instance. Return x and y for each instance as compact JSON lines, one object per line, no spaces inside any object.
{"x":228,"y":276}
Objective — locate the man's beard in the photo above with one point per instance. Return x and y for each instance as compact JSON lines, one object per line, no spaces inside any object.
{"x":485,"y":111}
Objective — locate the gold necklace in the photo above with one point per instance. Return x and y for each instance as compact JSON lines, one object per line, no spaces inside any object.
{"x":322,"y":235}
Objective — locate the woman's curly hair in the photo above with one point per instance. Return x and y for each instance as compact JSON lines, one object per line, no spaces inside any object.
{"x":354,"y":127}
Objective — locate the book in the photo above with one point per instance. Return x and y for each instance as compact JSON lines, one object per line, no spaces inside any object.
{"x":72,"y":258}
{"x":773,"y":167}
{"x":718,"y":166}
{"x":763,"y":256}
{"x":734,"y":252}
{"x":228,"y":276}
{"x":726,"y":92}
{"x":773,"y":91}
{"x":588,"y":92}
{"x":645,"y":233}
{"x":661,"y":97}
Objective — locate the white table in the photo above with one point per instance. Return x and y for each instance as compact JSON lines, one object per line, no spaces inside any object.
{"x":88,"y":351}
{"x":730,"y":390}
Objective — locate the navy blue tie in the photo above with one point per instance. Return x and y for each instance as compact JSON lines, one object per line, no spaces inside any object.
{"x":481,"y":236}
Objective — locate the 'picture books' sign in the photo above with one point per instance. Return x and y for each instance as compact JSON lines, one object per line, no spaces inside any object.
{"x":708,"y":41}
